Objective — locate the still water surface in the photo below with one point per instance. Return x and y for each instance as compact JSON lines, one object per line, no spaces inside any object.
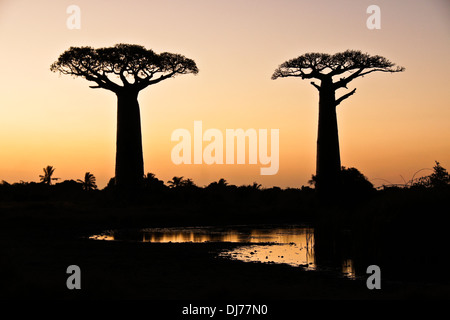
{"x":288,"y":245}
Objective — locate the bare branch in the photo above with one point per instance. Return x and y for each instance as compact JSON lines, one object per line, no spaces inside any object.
{"x":123,"y":78}
{"x":399,"y":69}
{"x":147,"y":82}
{"x":315,"y":85}
{"x":345,"y":96}
{"x":342,"y":83}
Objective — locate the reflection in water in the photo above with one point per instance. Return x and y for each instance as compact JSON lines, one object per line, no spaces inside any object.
{"x":189,"y":235}
{"x":348,"y":268}
{"x":294,"y":246}
{"x":102,"y":237}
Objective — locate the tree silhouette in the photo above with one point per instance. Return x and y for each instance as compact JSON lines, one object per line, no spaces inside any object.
{"x":348,"y":66}
{"x":189,"y":183}
{"x":47,"y":177}
{"x":256,"y":186}
{"x":153,"y":183}
{"x":136,"y":68}
{"x":176,"y":182}
{"x":440,"y":178}
{"x":88,"y":182}
{"x":354,"y":184}
{"x":222,"y":184}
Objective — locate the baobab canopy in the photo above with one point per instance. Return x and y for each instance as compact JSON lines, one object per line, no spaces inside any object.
{"x":134,"y":65}
{"x":353,"y":63}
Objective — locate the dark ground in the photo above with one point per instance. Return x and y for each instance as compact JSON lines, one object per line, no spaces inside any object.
{"x":39,"y":240}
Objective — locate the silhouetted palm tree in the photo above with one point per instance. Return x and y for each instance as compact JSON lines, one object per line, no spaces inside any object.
{"x":88,"y":182}
{"x":175,"y":182}
{"x":47,"y":177}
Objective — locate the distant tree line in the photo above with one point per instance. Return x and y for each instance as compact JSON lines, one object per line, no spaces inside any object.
{"x":355,"y":188}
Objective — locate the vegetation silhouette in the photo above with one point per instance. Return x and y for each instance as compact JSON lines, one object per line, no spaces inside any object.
{"x":393,"y":227}
{"x":152,"y":183}
{"x":221,"y":184}
{"x":48,"y":173}
{"x":439,"y":179}
{"x":355,"y":187}
{"x":401,"y":228}
{"x":137,"y":68}
{"x":88,"y":182}
{"x":348,"y":66}
{"x":176,"y":182}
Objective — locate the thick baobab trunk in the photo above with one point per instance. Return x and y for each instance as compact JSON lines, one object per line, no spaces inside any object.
{"x":129,"y":159}
{"x":328,"y":164}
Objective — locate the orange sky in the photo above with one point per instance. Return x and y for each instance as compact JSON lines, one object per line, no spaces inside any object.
{"x":393,"y":126}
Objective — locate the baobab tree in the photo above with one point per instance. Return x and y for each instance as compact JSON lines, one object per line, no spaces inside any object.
{"x":135,"y":68}
{"x":334,"y":72}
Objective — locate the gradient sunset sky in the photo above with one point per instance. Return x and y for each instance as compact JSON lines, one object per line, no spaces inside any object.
{"x":394,"y":125}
